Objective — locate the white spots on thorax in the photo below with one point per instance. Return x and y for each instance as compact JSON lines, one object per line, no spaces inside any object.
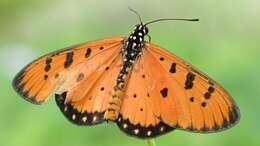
{"x":140,"y":39}
{"x":125,"y":126}
{"x":134,"y":44}
{"x":134,"y":37}
{"x":140,"y":34}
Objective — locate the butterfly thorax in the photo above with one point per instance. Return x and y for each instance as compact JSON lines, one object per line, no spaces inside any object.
{"x":130,"y":53}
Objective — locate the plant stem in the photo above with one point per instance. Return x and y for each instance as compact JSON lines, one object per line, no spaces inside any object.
{"x":151,"y":142}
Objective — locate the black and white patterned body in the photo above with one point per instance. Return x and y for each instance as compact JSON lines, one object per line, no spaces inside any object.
{"x":131,"y":51}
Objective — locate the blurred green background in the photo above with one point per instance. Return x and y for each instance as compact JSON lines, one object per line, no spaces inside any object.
{"x":224,"y":44}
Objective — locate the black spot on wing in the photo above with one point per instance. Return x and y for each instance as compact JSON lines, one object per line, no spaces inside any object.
{"x":191,"y":99}
{"x":203,"y":104}
{"x":69,"y":59}
{"x":189,"y":80}
{"x":162,"y":58}
{"x":47,"y":67}
{"x":207,"y":94}
{"x":45,"y":77}
{"x":48,"y":64}
{"x":107,"y":68}
{"x":173,"y":68}
{"x":141,"y":131}
{"x":56,"y":75}
{"x":88,"y":52}
{"x":75,"y":116}
{"x":80,"y":77}
{"x":164,"y":92}
{"x":211,"y":89}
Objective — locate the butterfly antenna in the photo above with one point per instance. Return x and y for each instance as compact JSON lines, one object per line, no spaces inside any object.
{"x":168,"y":19}
{"x":136,"y":14}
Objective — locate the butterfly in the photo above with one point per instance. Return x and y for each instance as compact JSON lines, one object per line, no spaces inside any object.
{"x":146,"y":90}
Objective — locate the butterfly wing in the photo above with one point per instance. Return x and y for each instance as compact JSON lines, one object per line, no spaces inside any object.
{"x":137,"y":117}
{"x":201,"y":105}
{"x":84,"y":103}
{"x":45,"y":75}
{"x":164,"y":92}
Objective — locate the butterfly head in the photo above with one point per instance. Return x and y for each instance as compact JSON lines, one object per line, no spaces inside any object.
{"x":141,"y":28}
{"x":138,"y":34}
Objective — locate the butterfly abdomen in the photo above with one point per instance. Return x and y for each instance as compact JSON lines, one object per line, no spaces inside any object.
{"x":115,"y":102}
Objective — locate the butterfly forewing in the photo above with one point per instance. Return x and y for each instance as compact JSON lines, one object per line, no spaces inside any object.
{"x":198,"y":102}
{"x":41,"y":77}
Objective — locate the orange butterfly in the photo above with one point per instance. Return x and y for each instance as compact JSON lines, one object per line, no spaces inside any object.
{"x":146,"y":90}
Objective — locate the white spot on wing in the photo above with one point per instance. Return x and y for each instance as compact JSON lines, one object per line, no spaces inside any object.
{"x":94,"y":118}
{"x":73,"y":117}
{"x":149,"y":133}
{"x":84,"y":119}
{"x":136,"y":131}
{"x":162,"y":129}
{"x":65,"y":109}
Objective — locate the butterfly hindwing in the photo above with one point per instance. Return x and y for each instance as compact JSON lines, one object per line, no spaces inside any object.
{"x":188,"y":99}
{"x":74,"y":116}
{"x":41,"y":78}
{"x":84,"y":103}
{"x":137,"y":117}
